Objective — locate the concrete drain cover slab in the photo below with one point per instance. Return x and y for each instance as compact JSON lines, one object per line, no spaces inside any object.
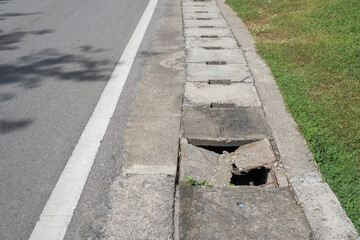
{"x":198,"y":3}
{"x":200,"y":7}
{"x":201,"y":31}
{"x":198,"y":42}
{"x":200,"y":55}
{"x":202,"y":14}
{"x":240,"y":213}
{"x":205,"y":22}
{"x":204,"y":94}
{"x":202,"y":72}
{"x":224,"y":123}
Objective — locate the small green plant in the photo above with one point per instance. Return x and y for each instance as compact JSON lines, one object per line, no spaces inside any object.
{"x":197,"y":183}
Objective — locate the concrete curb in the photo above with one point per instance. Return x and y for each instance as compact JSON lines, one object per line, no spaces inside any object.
{"x":322,"y":209}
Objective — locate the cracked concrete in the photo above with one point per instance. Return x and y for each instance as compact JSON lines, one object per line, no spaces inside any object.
{"x":202,"y":164}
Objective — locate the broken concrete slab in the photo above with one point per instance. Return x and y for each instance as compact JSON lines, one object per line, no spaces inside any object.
{"x":202,"y":72}
{"x":203,"y":94}
{"x":205,"y":22}
{"x":206,"y":163}
{"x":200,"y":31}
{"x":241,"y":124}
{"x":322,"y":209}
{"x":253,"y":155}
{"x":141,"y":207}
{"x":201,"y":164}
{"x":240,"y":213}
{"x":200,"y":55}
{"x":208,"y":43}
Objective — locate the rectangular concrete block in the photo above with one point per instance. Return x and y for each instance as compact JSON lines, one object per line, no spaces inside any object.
{"x":241,"y":124}
{"x":200,"y":7}
{"x":323,"y":210}
{"x":141,"y":207}
{"x":204,"y":22}
{"x":198,"y":32}
{"x":240,"y":213}
{"x":202,"y":14}
{"x":197,"y":42}
{"x":201,"y":72}
{"x":199,"y":94}
{"x":200,"y":55}
{"x":198,"y":2}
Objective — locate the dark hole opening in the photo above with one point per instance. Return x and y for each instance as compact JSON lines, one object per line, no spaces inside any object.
{"x":209,"y":36}
{"x":201,"y":11}
{"x":254,"y":177}
{"x":220,"y":81}
{"x":215,"y":62}
{"x":203,"y":18}
{"x":206,"y":26}
{"x":220,"y":149}
{"x":213,"y":48}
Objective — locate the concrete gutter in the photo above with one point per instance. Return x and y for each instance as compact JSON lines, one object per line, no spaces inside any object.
{"x":322,"y":209}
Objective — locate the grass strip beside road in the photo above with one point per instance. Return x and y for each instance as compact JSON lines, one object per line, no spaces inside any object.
{"x":313,"y":50}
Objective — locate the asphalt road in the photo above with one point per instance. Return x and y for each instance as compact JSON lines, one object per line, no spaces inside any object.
{"x":55,"y":60}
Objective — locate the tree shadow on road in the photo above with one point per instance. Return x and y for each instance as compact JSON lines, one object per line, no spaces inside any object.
{"x":11,"y":125}
{"x":30,"y":70}
{"x":8,"y":40}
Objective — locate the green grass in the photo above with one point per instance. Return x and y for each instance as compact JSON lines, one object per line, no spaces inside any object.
{"x":313,"y":50}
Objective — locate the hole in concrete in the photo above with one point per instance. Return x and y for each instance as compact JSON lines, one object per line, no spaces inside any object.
{"x":213,"y":48}
{"x":199,"y":6}
{"x":220,"y":81}
{"x":254,"y":177}
{"x":209,"y":36}
{"x":232,"y":144}
{"x":206,"y":26}
{"x":203,"y":18}
{"x":215,"y":62}
{"x":201,"y":0}
{"x":222,"y":105}
{"x":201,"y":11}
{"x":220,"y":149}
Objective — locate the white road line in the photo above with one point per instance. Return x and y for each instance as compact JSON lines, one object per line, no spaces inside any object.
{"x":59,"y":209}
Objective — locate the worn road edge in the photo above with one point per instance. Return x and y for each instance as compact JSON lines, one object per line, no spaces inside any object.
{"x":326,"y":217}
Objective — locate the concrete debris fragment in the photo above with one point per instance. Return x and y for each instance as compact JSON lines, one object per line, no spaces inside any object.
{"x":252,"y":155}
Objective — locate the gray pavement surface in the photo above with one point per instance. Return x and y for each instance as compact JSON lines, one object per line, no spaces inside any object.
{"x":56,"y":57}
{"x":144,"y":150}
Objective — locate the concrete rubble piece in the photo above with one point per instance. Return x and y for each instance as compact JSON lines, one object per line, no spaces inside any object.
{"x":253,"y":155}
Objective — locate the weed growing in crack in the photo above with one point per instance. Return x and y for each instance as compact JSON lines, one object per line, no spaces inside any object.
{"x":197,"y":183}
